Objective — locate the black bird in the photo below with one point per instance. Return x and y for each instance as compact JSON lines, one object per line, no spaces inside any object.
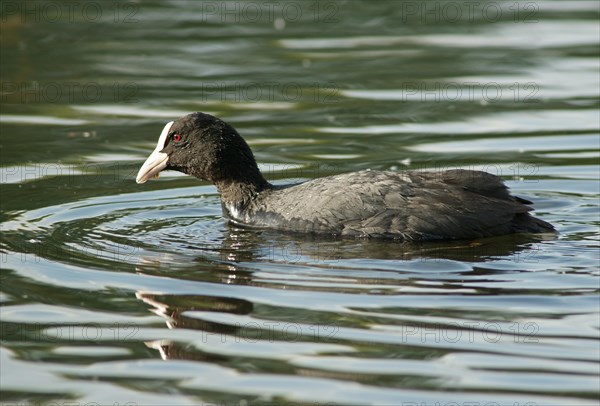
{"x":410,"y":206}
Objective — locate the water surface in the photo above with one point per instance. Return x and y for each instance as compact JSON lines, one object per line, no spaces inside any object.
{"x":114,"y":292}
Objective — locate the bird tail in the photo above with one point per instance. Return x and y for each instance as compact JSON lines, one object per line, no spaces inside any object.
{"x":526,"y":223}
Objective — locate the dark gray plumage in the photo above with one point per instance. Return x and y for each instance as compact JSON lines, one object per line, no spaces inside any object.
{"x":416,"y":206}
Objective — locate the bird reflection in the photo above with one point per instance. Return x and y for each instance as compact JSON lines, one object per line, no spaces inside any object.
{"x":242,"y":245}
{"x":244,"y":254}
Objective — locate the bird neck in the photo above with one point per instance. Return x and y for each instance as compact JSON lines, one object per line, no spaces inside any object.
{"x":240,"y":194}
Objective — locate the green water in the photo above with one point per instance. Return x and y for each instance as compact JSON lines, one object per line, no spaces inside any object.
{"x":115,"y":293}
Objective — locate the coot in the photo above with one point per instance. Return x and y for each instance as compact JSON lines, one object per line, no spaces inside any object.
{"x":413,"y":206}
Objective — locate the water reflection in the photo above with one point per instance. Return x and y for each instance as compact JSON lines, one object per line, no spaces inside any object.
{"x":242,"y":245}
{"x":209,"y":317}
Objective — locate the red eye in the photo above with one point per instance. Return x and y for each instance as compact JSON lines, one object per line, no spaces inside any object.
{"x":176,"y":137}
